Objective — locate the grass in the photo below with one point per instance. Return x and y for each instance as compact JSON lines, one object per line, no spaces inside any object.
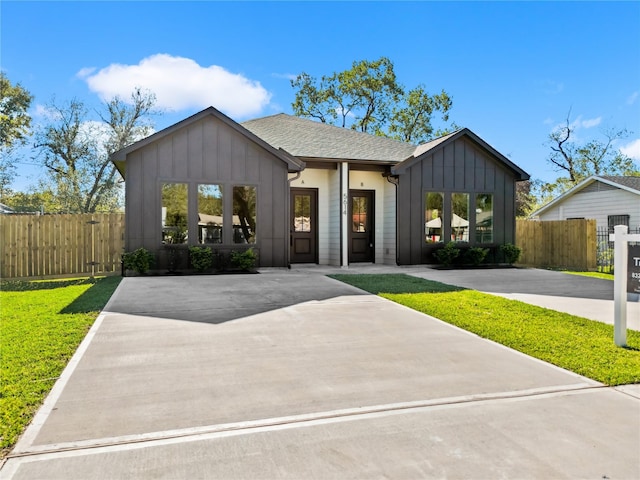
{"x":42,"y":324}
{"x":583,"y":346}
{"x":603,"y":276}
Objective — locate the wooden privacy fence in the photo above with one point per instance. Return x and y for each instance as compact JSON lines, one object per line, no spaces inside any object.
{"x":52,"y":245}
{"x":567,"y":244}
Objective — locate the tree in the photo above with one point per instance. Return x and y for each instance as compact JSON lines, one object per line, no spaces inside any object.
{"x":595,"y":157}
{"x":75,"y":150}
{"x":411,"y":120}
{"x":7,"y":174}
{"x":15,"y":127}
{"x":30,"y":202}
{"x":368,"y":98}
{"x":15,"y":122}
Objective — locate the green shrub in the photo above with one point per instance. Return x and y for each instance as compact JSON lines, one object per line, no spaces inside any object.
{"x":201,"y":258}
{"x":475,"y":255}
{"x":244,"y":260}
{"x":510,"y":252}
{"x":139,"y":260}
{"x":447,"y":254}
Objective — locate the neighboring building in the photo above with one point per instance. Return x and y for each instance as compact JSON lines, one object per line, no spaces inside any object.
{"x":5,"y":209}
{"x":610,"y":200}
{"x":300,"y":191}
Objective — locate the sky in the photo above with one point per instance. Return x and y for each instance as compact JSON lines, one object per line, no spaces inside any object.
{"x":515,"y":70}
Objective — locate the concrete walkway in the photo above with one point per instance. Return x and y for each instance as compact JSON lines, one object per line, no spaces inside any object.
{"x":586,"y":297}
{"x":290,"y":374}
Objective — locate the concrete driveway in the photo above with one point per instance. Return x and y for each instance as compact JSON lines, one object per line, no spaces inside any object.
{"x":578,"y":295}
{"x":295,"y":375}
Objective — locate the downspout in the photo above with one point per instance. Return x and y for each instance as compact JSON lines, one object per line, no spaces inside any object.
{"x":394,"y":181}
{"x":288,"y":203}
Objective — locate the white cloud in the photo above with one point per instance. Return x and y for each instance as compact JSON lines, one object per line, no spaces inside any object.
{"x":579,"y":123}
{"x":85,"y":72}
{"x":180,"y":83}
{"x":632,"y":98}
{"x":45,"y":112}
{"x":593,"y":122}
{"x":632,"y":149}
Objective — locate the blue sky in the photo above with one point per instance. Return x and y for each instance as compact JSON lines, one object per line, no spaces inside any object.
{"x":514,"y":69}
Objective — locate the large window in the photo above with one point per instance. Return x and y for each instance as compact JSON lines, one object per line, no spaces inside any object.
{"x":460,"y":217}
{"x":244,"y":214}
{"x":210,"y":213}
{"x":174,"y":213}
{"x":484,"y":218}
{"x":433,"y":217}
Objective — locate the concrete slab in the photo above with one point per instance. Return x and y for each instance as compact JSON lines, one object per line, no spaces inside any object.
{"x":146,"y":374}
{"x":593,"y":309}
{"x":533,"y":437}
{"x":586,"y":297}
{"x":292,"y":374}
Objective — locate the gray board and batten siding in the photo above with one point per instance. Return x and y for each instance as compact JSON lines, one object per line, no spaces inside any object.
{"x":459,"y":163}
{"x":207,"y":148}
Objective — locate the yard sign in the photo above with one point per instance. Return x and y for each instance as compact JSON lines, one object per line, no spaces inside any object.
{"x":626,"y":259}
{"x":633,"y":270}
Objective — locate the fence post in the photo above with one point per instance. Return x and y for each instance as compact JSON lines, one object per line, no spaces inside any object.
{"x":619,"y":284}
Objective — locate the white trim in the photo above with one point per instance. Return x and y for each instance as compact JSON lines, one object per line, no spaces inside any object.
{"x":344,"y":209}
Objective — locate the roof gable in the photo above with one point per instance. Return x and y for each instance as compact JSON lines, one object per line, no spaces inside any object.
{"x":119,"y":158}
{"x":434,"y":145}
{"x":626,"y":183}
{"x":310,"y":139}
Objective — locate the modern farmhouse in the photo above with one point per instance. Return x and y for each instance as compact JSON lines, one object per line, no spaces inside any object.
{"x":300,"y":191}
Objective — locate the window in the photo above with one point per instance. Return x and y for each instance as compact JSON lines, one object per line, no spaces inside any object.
{"x":244,"y":214}
{"x":174,"y":213}
{"x":484,"y":218}
{"x":613,"y":220}
{"x":359,"y":214}
{"x":210,"y":213}
{"x":433,"y":217}
{"x":302,"y":213}
{"x":460,"y":217}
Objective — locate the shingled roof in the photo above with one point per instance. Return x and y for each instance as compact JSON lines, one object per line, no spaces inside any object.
{"x":309,"y":139}
{"x":625,"y":181}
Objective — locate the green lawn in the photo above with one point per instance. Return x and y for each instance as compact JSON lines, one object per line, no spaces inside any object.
{"x":603,"y":276}
{"x":583,"y":346}
{"x":41,"y":326}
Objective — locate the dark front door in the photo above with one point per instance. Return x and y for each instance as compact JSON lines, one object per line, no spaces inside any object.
{"x":361,"y":227}
{"x":304,"y":225}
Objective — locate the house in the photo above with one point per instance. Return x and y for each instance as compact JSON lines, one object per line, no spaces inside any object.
{"x":610,"y":200}
{"x":5,"y":209}
{"x":300,"y":191}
